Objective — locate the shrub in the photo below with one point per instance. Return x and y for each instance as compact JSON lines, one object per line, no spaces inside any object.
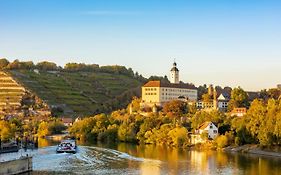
{"x":222,"y":141}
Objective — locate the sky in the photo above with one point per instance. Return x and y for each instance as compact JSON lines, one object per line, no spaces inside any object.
{"x":220,"y":42}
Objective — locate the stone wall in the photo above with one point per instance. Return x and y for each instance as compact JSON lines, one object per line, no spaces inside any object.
{"x":18,"y":166}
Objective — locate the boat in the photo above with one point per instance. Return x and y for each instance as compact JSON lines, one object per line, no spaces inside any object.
{"x":9,"y":147}
{"x":67,"y":146}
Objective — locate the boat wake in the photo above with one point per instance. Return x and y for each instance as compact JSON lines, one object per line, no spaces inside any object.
{"x":87,"y":160}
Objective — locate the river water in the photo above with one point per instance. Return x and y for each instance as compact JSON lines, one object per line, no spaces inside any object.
{"x":147,"y":160}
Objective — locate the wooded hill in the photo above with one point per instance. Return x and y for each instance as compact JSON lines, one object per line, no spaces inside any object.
{"x":78,"y":89}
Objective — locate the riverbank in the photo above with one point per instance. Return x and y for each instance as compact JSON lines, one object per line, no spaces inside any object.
{"x":253,"y":149}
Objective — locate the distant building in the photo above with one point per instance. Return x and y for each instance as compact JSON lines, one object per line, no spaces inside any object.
{"x":158,"y":92}
{"x":67,"y":121}
{"x":36,"y":71}
{"x":253,"y":95}
{"x":239,"y":112}
{"x":219,"y":102}
{"x":207,"y":127}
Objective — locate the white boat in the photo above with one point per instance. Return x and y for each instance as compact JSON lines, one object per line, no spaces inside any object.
{"x":67,"y":146}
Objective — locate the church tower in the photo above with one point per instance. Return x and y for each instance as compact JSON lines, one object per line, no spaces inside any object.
{"x":174,"y":74}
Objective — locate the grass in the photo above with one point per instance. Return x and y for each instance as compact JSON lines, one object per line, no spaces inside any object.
{"x":84,"y":93}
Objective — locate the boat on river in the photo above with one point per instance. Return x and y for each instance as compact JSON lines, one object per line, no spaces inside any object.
{"x":9,"y":147}
{"x":67,"y":146}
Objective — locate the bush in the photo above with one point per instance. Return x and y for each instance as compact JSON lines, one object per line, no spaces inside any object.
{"x":222,"y":141}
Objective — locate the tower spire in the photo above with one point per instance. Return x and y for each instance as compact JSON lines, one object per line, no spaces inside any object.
{"x":174,"y":73}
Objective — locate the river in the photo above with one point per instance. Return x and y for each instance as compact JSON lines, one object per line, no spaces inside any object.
{"x":147,"y":160}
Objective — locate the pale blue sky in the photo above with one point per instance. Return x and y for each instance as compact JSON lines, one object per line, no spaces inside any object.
{"x":223,"y":42}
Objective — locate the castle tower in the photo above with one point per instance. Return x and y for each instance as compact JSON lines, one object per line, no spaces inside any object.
{"x":175,"y":74}
{"x":215,"y":101}
{"x":211,"y":90}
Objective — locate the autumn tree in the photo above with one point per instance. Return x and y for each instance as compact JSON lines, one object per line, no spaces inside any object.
{"x":176,"y":107}
{"x":239,"y":98}
{"x":206,"y":97}
{"x":3,"y":63}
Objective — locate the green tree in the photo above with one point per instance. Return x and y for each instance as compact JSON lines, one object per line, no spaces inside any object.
{"x":46,"y":66}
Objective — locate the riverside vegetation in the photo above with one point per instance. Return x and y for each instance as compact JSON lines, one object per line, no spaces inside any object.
{"x":261,"y":125}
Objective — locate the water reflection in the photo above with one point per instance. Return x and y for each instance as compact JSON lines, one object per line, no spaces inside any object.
{"x":148,"y":159}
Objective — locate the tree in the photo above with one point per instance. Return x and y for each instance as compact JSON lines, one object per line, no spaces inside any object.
{"x":274,"y":93}
{"x":43,"y":129}
{"x":14,"y":65}
{"x":176,"y":107}
{"x":3,"y":63}
{"x":206,"y":97}
{"x":45,"y":65}
{"x":202,"y":90}
{"x":159,"y":78}
{"x":239,"y":98}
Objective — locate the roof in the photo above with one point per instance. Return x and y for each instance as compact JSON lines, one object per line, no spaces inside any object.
{"x":236,"y":110}
{"x":253,"y":95}
{"x":225,"y":96}
{"x":204,"y":125}
{"x":175,"y":69}
{"x":169,"y":85}
{"x":66,"y":120}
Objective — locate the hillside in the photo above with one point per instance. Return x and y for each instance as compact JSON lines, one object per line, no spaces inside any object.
{"x":11,"y":93}
{"x":17,"y":101}
{"x":79,"y":93}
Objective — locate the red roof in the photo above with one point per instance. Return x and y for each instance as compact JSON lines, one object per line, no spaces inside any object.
{"x":66,"y":120}
{"x":169,"y":85}
{"x":204,"y":125}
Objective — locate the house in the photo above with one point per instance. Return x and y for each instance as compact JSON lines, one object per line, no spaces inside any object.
{"x":222,"y":101}
{"x":207,"y":127}
{"x":253,"y":95}
{"x":67,"y":121}
{"x":239,"y":112}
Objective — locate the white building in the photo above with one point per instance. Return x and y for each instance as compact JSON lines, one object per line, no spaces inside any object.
{"x":158,"y":93}
{"x":206,"y":127}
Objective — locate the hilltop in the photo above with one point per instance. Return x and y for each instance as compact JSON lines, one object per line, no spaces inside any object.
{"x":77,"y":89}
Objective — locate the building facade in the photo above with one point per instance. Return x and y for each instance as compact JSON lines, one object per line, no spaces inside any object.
{"x":158,"y":92}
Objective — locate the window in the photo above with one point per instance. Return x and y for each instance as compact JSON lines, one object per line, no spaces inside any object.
{"x":215,"y":131}
{"x":211,"y":126}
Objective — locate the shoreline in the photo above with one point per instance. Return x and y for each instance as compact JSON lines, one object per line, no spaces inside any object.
{"x":252,"y":149}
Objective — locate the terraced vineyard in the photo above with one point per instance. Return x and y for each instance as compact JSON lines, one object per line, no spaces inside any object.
{"x":80,"y":93}
{"x":11,"y":93}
